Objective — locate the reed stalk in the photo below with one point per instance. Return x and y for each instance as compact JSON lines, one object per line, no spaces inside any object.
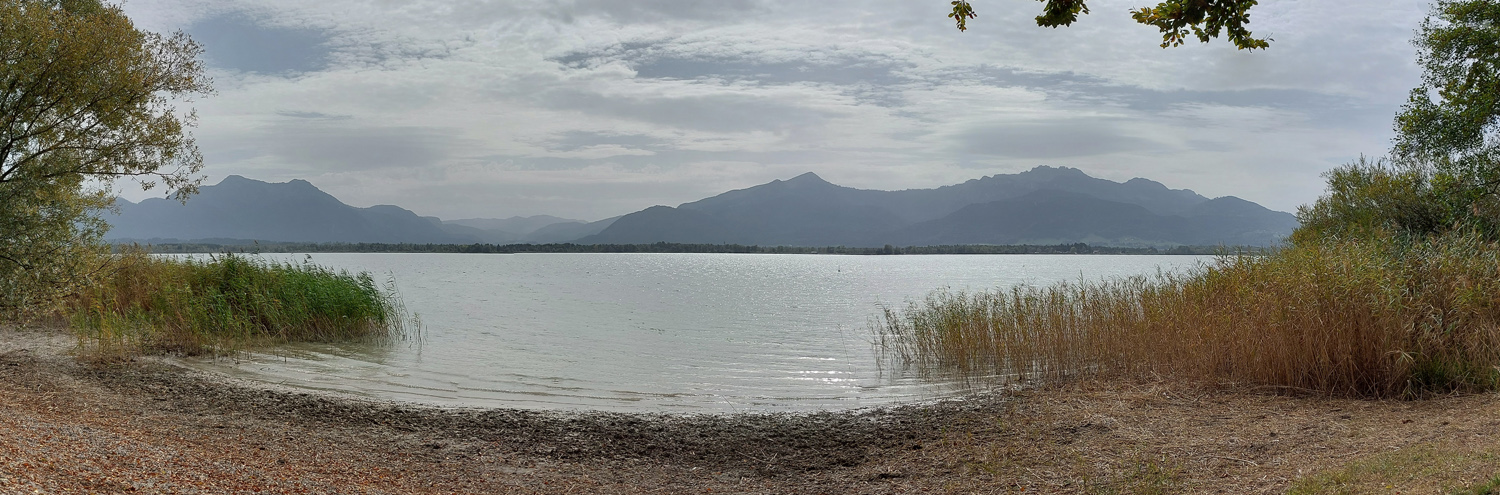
{"x":226,"y":303}
{"x":1368,"y":318}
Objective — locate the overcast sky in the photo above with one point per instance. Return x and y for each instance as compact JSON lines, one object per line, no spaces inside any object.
{"x":594,"y":108}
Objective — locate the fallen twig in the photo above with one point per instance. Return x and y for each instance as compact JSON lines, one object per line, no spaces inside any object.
{"x":1227,"y":458}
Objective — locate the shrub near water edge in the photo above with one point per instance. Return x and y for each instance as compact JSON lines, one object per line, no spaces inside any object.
{"x":226,"y":303}
{"x":1380,"y":316}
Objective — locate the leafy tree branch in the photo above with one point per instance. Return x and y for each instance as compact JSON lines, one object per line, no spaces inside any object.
{"x":1176,"y":19}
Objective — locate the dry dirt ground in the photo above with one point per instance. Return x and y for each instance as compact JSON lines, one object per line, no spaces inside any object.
{"x":145,"y":427}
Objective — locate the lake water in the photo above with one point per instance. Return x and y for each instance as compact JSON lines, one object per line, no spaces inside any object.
{"x":652,"y":332}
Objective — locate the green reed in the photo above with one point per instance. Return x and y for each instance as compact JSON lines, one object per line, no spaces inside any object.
{"x":229,"y":302}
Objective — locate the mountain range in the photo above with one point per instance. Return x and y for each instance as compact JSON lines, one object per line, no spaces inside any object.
{"x":239,"y":210}
{"x":1046,"y":205}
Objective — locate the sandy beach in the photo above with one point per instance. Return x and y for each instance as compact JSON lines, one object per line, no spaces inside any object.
{"x":146,"y":426}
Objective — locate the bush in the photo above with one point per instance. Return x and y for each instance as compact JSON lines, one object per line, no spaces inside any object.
{"x":1382,"y":196}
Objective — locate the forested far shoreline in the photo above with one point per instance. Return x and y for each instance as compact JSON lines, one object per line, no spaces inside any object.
{"x":673,"y":247}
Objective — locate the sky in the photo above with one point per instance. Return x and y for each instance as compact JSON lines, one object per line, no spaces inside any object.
{"x":588,"y":109}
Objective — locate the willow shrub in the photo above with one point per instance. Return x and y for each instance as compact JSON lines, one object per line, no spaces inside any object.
{"x":1376,"y":317}
{"x":229,"y":302}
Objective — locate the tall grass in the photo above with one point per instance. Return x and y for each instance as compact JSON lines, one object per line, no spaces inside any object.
{"x":226,"y":303}
{"x":1368,"y":318}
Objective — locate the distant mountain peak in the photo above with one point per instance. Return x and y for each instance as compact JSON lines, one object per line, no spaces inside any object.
{"x":293,"y":211}
{"x":808,"y":181}
{"x":807,"y":178}
{"x":1039,"y":173}
{"x":1055,"y":171}
{"x":242,"y":181}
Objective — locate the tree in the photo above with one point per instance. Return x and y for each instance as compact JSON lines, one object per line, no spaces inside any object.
{"x":1444,"y":170}
{"x":1459,"y":131}
{"x":1177,"y":19}
{"x":85,"y":98}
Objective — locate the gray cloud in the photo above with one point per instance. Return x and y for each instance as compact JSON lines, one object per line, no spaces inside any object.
{"x":237,"y":41}
{"x":574,"y":140}
{"x":1329,"y":109}
{"x":665,"y":60}
{"x":728,"y":112}
{"x":662,"y":161}
{"x":592,"y":108}
{"x":640,"y":11}
{"x":313,"y":146}
{"x":1045,"y":140}
{"x":312,"y":115}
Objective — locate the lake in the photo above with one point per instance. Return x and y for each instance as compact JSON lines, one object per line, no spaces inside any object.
{"x":652,"y":332}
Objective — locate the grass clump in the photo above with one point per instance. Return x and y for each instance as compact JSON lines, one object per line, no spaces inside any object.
{"x":1425,"y":468}
{"x":226,"y":303}
{"x":1491,"y":487}
{"x":1376,"y":316}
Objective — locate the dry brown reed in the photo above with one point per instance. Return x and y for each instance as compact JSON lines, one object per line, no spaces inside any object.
{"x":1365,"y":318}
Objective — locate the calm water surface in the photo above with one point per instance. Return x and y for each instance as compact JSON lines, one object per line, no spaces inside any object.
{"x":652,"y":332}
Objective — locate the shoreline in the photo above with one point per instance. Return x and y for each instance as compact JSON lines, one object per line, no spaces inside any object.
{"x":745,"y":440}
{"x":256,"y":247}
{"x":148,"y":426}
{"x":243,"y":379}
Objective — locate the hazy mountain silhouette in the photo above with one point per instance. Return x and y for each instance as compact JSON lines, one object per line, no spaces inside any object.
{"x":518,"y":229}
{"x":240,"y":209}
{"x":567,"y":231}
{"x":1051,"y":216}
{"x":296,"y":211}
{"x":516,"y":225}
{"x":1045,"y":205}
{"x":479,"y":235}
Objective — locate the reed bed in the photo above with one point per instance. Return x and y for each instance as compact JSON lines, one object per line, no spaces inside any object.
{"x":1389,"y":317}
{"x":229,"y":302}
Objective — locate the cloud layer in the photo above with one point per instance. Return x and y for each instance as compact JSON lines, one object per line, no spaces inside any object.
{"x":594,"y":108}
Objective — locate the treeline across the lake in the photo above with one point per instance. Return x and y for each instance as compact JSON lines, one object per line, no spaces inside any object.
{"x":673,"y":247}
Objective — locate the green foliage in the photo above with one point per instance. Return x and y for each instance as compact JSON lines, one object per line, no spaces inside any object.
{"x":84,"y":98}
{"x":1445,"y":167}
{"x":1061,"y":13}
{"x":1452,"y":122}
{"x":1177,"y":19}
{"x":1205,"y":20}
{"x":228,"y":302}
{"x":1491,"y":487}
{"x":49,"y":244}
{"x":1370,"y":196}
{"x":961,"y":14}
{"x":1459,"y":47}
